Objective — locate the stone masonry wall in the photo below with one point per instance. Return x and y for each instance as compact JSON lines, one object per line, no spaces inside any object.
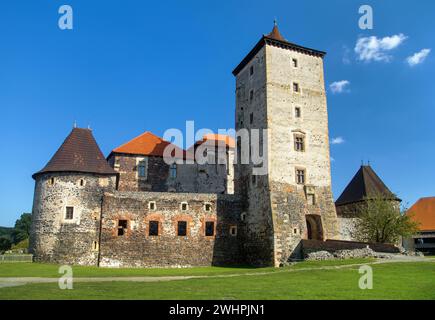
{"x":136,"y":248}
{"x":55,"y":239}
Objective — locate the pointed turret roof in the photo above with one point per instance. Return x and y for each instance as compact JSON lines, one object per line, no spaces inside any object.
{"x":275,"y":38}
{"x":364,"y":184}
{"x":78,"y":153}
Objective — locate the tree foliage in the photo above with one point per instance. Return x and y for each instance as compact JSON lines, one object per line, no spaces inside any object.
{"x":381,"y":220}
{"x":5,"y":244}
{"x":21,"y":230}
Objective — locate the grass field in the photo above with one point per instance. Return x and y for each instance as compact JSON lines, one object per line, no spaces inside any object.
{"x":306,"y":280}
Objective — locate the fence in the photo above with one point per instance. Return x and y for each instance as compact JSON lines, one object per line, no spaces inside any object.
{"x":16,"y":258}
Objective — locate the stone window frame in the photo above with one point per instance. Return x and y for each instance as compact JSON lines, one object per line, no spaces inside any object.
{"x":230,"y":230}
{"x":126,"y":231}
{"x":304,"y":175}
{"x":152,"y":203}
{"x":294,"y":85}
{"x":208,"y":204}
{"x":95,"y":246}
{"x":81,"y":183}
{"x":295,"y":230}
{"x":243,"y":216}
{"x":179,"y":218}
{"x":204,"y":221}
{"x":153,"y":217}
{"x":51,"y":181}
{"x":299,"y":135}
{"x":184,"y":203}
{"x":65,"y":217}
{"x":298,"y":112}
{"x":139,"y":164}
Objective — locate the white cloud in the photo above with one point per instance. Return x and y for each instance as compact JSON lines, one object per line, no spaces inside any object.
{"x":418,"y":57}
{"x":346,"y":53}
{"x":376,"y":49}
{"x":339,"y":86}
{"x":337,"y":140}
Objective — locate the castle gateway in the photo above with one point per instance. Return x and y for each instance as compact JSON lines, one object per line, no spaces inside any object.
{"x":135,"y":210}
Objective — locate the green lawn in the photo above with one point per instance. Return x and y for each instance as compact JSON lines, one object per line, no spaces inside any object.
{"x":410,"y":280}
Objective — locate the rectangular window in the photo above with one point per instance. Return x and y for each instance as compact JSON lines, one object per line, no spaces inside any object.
{"x":184,"y":206}
{"x":295,"y":87}
{"x":152,"y":205}
{"x":153,"y":228}
{"x":207,"y":207}
{"x":142,"y":169}
{"x":251,"y":95}
{"x":251,"y":118}
{"x":233,"y":231}
{"x":122,"y":227}
{"x":254,"y":179}
{"x":182,"y":228}
{"x":69,"y":214}
{"x":251,"y":70}
{"x":300,"y":176}
{"x":295,"y":63}
{"x":299,"y":143}
{"x":298,"y":112}
{"x":209,"y":228}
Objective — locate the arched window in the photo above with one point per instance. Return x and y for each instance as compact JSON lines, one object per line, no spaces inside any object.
{"x":173,"y":171}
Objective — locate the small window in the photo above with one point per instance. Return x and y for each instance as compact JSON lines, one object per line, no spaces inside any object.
{"x":251,"y":118}
{"x":296,"y":87}
{"x":184,"y":206}
{"x":295,"y":63}
{"x":209,"y":228}
{"x":233,"y":231}
{"x":298,"y":112}
{"x":311,"y":199}
{"x":251,"y":70}
{"x":94,"y":245}
{"x":69,"y":214}
{"x":251,"y":95}
{"x":299,"y":143}
{"x":254,"y":179}
{"x":207,"y":207}
{"x":295,"y":231}
{"x":153,"y":228}
{"x":182,"y":228}
{"x":142,"y":169}
{"x":300,"y":176}
{"x":50,"y":181}
{"x":81,"y":182}
{"x":243,"y":216}
{"x":122,"y":227}
{"x":152,"y":205}
{"x":173,"y":171}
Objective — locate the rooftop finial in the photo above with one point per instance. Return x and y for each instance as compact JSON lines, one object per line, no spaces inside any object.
{"x":89,"y":127}
{"x":275,"y":23}
{"x":75,"y":124}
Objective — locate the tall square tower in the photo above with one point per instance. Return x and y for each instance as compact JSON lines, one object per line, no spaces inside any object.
{"x":280,"y":87}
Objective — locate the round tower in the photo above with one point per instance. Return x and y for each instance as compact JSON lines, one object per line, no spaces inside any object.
{"x":67,"y":202}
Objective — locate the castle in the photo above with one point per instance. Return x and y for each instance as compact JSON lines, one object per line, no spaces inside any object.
{"x":133,"y":209}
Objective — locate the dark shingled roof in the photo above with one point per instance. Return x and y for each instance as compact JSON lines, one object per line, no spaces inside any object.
{"x":364,"y":184}
{"x":275,"y":38}
{"x":78,"y":153}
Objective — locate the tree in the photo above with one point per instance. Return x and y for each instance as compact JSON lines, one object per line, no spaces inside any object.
{"x":22,"y":228}
{"x":381,"y":220}
{"x":5,"y":244}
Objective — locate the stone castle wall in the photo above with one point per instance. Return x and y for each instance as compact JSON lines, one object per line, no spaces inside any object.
{"x":137,"y":248}
{"x":55,"y":239}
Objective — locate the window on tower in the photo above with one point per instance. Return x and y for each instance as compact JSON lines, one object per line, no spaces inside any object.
{"x":298,"y":112}
{"x":69,"y":214}
{"x":251,"y":70}
{"x":300,"y":176}
{"x":295,"y":63}
{"x":296,"y":87}
{"x":251,"y":95}
{"x":299,"y":143}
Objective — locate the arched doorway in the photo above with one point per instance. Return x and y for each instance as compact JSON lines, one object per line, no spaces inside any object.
{"x":314,"y":227}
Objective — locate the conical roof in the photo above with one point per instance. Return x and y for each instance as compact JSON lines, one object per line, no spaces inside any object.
{"x":78,"y":153}
{"x":364,"y":184}
{"x":275,"y":34}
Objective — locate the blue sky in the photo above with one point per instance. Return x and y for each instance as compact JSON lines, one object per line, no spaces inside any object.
{"x":134,"y":66}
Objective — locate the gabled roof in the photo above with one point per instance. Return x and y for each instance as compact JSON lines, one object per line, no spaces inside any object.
{"x":78,"y":153}
{"x":275,"y":38}
{"x":364,"y":184}
{"x":147,"y":144}
{"x":423,"y":212}
{"x":215,"y":139}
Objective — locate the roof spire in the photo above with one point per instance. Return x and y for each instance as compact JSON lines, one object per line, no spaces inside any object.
{"x":75,"y":124}
{"x":275,"y":34}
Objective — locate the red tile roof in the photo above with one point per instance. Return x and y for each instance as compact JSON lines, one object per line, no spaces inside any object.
{"x":213,"y":138}
{"x":423,"y":212}
{"x":78,"y":153}
{"x":147,"y":144}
